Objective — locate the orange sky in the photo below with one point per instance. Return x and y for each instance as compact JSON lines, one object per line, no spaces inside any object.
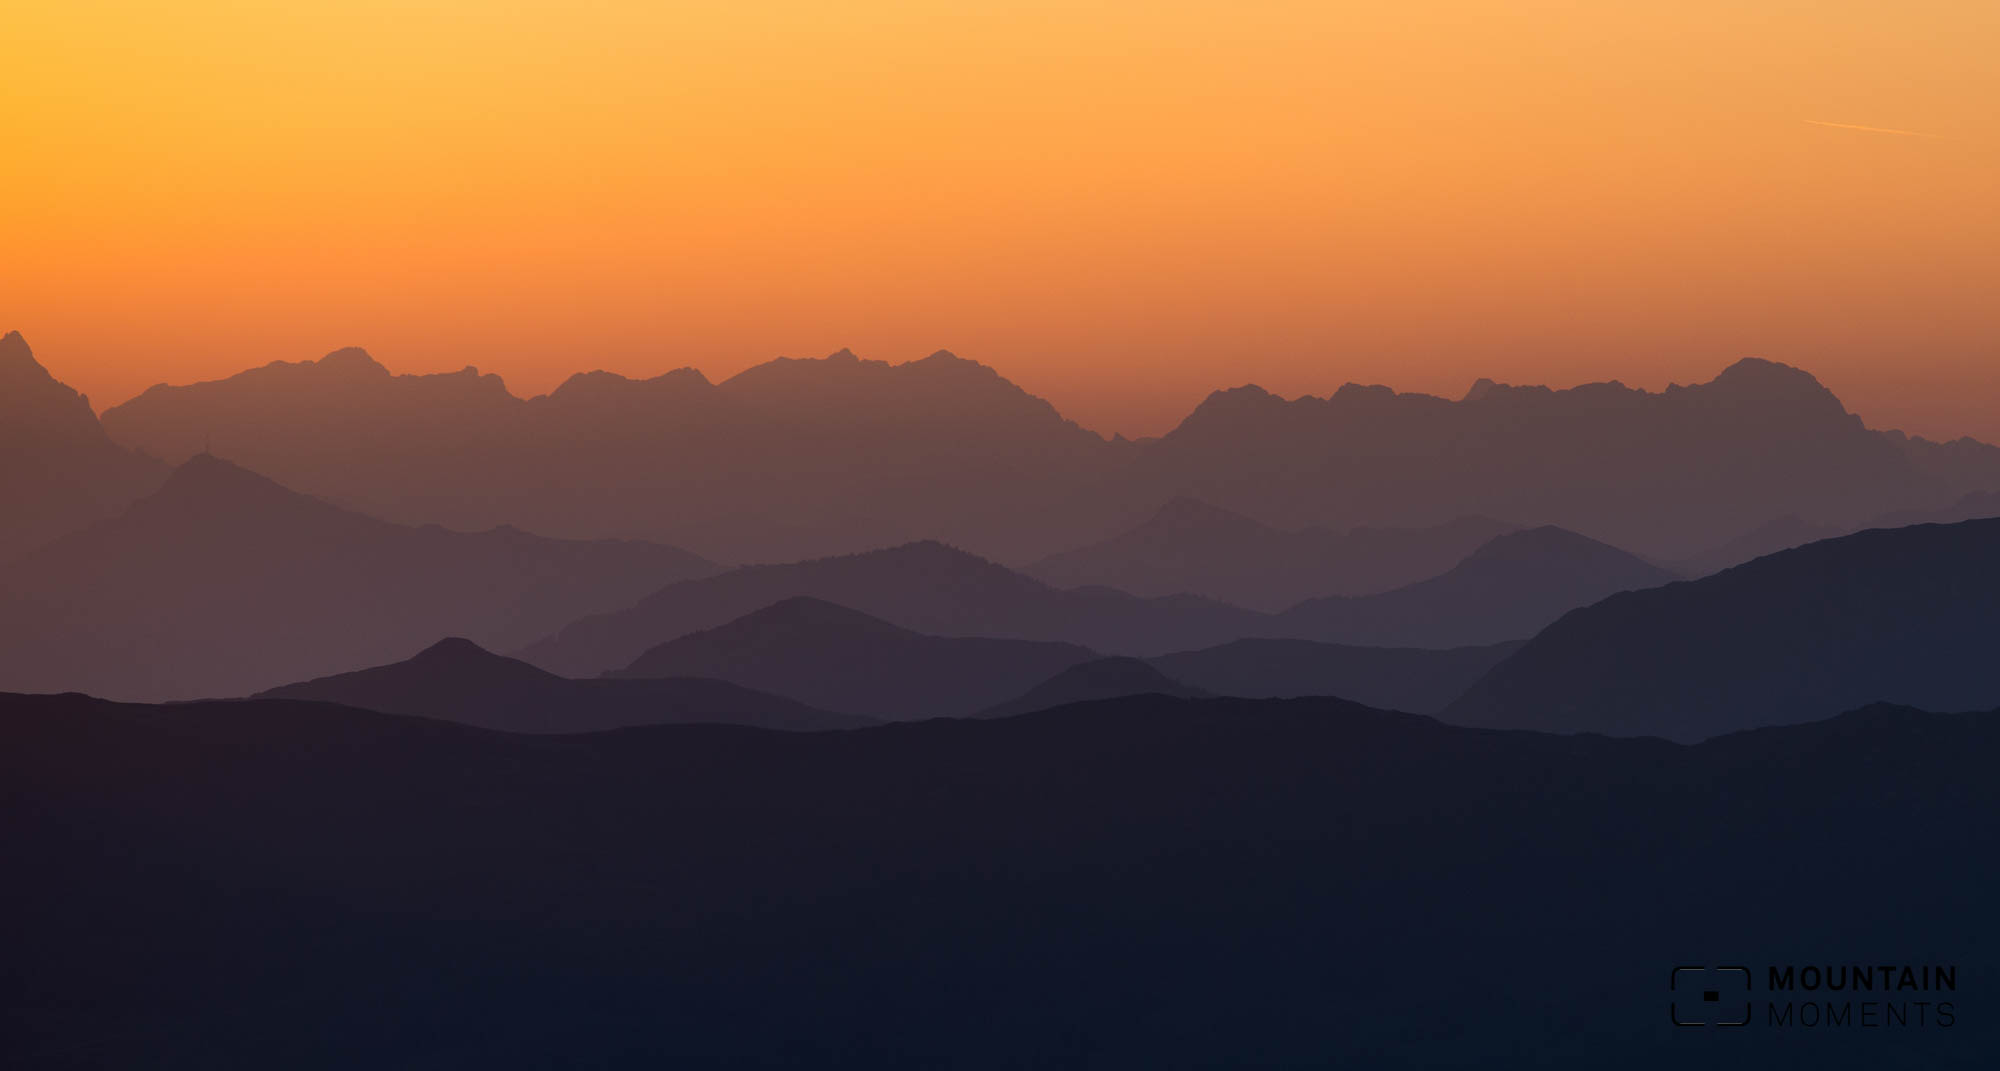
{"x":1119,"y":205}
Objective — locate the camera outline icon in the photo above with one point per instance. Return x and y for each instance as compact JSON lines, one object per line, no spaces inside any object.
{"x":1700,"y":1017}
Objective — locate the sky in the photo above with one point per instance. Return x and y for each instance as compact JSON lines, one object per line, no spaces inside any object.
{"x":1119,"y":205}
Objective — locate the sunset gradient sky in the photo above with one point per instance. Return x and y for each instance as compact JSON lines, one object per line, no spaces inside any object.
{"x":1119,"y":205}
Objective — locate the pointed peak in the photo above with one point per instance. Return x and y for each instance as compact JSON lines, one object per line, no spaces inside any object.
{"x":17,"y":361}
{"x":455,"y":649}
{"x":208,"y":479}
{"x":18,"y":368}
{"x":1529,"y":545}
{"x":1481,"y":387}
{"x":844,"y":355}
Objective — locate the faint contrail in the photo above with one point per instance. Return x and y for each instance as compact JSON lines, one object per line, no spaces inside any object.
{"x":1876,"y":129}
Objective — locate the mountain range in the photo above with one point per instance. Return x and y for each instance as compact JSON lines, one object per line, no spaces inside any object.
{"x":787,"y":459}
{"x":457,"y":680}
{"x":222,"y":583}
{"x":791,"y":663}
{"x":807,"y":458}
{"x":1504,"y":591}
{"x":1137,"y":883}
{"x":1902,"y":615}
{"x":924,"y":587}
{"x":1190,"y":547}
{"x":1666,"y":475}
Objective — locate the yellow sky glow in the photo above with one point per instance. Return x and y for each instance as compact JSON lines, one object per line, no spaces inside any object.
{"x":1119,"y":205}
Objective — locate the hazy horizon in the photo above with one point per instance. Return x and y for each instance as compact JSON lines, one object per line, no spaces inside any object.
{"x":550,"y":378}
{"x":1121,"y":207}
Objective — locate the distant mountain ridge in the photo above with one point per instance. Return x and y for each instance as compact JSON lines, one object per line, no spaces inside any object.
{"x":1189,"y":546}
{"x":1903,"y":615}
{"x":838,"y":453}
{"x":1506,"y":590}
{"x":457,"y":680}
{"x":924,"y":587}
{"x":1509,"y":588}
{"x":840,"y":659}
{"x":223,"y":582}
{"x":805,"y":458}
{"x":1098,"y":679}
{"x":58,"y":469}
{"x":1665,"y":474}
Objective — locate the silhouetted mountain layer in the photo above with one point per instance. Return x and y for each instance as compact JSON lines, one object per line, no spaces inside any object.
{"x":1194,"y":548}
{"x":1508,"y":589}
{"x":839,"y":659}
{"x":787,"y":459}
{"x":1977,"y":505}
{"x":58,"y":470}
{"x":1781,"y":534}
{"x":925,"y":587}
{"x":1413,"y":679}
{"x":223,"y":582}
{"x":1101,"y":678}
{"x":457,"y":680}
{"x":1904,"y":615}
{"x":1667,"y":474}
{"x":796,"y":458}
{"x":1141,"y":883}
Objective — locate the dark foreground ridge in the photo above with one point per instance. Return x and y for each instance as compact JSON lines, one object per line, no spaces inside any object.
{"x":1142,"y":883}
{"x":1903,"y":615}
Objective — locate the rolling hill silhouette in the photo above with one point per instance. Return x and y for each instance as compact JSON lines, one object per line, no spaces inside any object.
{"x":223,"y":583}
{"x":58,"y":470}
{"x":1099,"y":678}
{"x":806,"y":458}
{"x":1136,"y":883}
{"x":1417,"y":680}
{"x":925,"y":587}
{"x":1192,"y":547}
{"x":457,"y":680}
{"x":1901,"y":615}
{"x":1508,"y":589}
{"x":839,"y":659}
